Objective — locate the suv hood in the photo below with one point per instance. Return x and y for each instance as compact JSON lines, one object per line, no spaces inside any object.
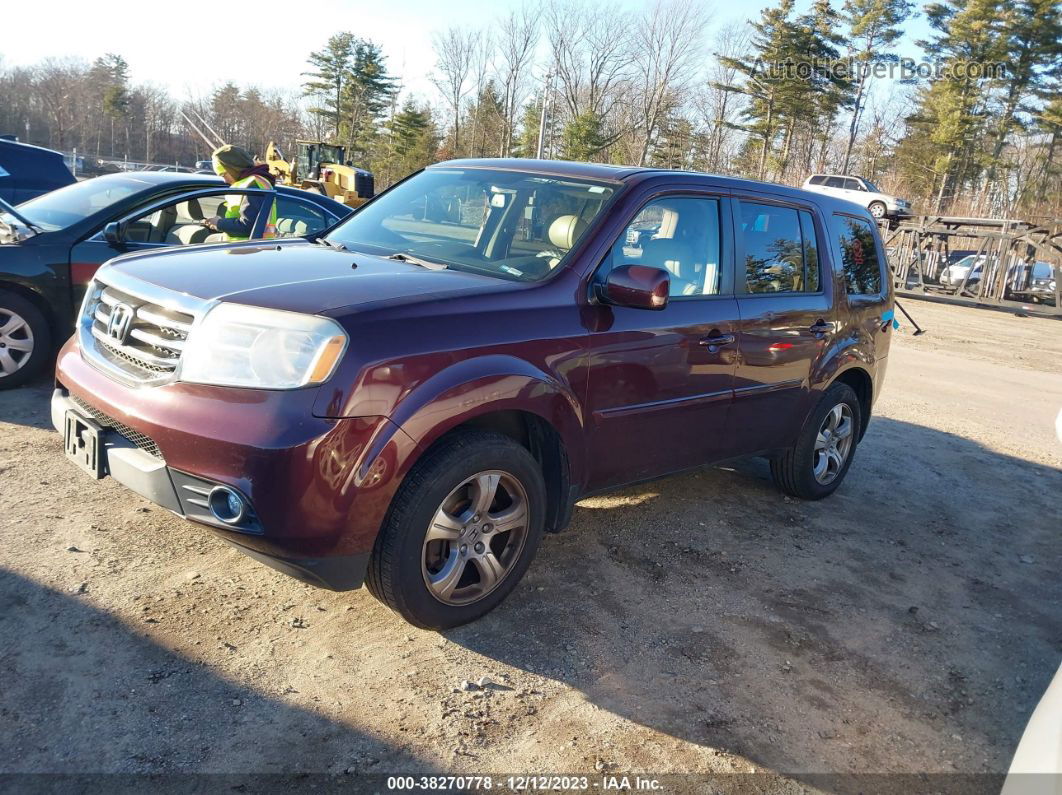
{"x":296,"y":276}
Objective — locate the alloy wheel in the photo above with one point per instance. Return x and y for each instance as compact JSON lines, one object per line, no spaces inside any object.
{"x":833,"y":444}
{"x":475,"y":537}
{"x":16,"y":342}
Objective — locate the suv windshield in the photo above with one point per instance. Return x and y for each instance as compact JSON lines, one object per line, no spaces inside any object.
{"x":510,"y":224}
{"x":66,"y":206}
{"x":870,"y":185}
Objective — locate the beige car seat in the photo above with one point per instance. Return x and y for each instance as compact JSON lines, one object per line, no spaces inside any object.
{"x":563,"y":233}
{"x":187,"y":230}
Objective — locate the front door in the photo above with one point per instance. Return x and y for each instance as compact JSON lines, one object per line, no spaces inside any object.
{"x":660,"y":382}
{"x":784,"y":302}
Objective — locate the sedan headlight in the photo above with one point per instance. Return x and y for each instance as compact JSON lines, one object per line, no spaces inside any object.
{"x":237,"y":345}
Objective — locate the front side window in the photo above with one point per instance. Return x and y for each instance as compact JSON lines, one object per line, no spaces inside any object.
{"x":852,"y":184}
{"x":859,"y":255}
{"x":678,"y":234}
{"x":512,"y":225}
{"x":781,"y":252}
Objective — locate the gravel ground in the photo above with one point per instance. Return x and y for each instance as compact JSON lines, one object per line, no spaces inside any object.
{"x":703,"y":623}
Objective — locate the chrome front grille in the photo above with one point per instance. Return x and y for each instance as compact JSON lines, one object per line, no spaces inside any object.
{"x":138,"y":334}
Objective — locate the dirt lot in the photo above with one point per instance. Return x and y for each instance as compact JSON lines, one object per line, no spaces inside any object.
{"x":702,"y":623}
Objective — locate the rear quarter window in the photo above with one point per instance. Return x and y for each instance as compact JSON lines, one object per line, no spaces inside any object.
{"x":858,"y":255}
{"x":818,"y":179}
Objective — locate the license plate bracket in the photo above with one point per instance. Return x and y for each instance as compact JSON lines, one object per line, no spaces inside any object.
{"x":82,"y":440}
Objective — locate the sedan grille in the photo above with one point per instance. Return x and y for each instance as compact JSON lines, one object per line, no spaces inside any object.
{"x":140,"y":339}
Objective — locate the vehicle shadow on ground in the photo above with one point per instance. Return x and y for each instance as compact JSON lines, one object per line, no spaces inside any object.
{"x":28,"y":405}
{"x":178,"y":718}
{"x":909,"y":623}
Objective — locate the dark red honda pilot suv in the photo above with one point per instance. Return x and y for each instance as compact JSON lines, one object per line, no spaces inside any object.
{"x":411,"y":400}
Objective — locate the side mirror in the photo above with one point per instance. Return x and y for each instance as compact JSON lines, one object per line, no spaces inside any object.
{"x":114,"y":233}
{"x":636,"y":286}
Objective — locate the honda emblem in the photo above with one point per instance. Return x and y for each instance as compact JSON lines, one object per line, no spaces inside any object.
{"x":119,"y":323}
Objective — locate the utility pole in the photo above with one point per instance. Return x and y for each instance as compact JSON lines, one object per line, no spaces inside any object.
{"x":542,"y":117}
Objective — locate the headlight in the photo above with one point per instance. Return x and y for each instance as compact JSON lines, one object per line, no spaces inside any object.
{"x":237,"y":345}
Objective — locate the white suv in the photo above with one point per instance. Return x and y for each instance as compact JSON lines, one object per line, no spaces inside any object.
{"x":861,"y":191}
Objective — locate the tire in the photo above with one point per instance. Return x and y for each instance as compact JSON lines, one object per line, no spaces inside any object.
{"x":795,"y":470}
{"x":877,"y":209}
{"x":25,"y":340}
{"x":410,"y":573}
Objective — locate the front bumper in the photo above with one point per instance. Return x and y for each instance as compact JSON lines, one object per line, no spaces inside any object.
{"x":183,"y":494}
{"x":318,"y":489}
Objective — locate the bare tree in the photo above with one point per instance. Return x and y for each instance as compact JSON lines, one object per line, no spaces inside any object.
{"x":666,"y":45}
{"x":590,"y":48}
{"x":718,"y":104}
{"x":481,"y":63}
{"x":455,"y":51}
{"x":517,"y":39}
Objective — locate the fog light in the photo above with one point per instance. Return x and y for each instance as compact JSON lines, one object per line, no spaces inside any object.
{"x":226,"y":505}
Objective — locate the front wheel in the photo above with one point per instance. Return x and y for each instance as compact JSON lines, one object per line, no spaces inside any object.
{"x":817,"y":464}
{"x":25,"y":340}
{"x":461,"y":531}
{"x":877,"y":209}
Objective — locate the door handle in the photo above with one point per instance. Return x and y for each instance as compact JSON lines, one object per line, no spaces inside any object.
{"x":820,"y":329}
{"x":715,"y":341}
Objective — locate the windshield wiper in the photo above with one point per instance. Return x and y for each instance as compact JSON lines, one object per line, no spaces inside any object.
{"x":424,"y":263}
{"x":330,"y":243}
{"x":32,"y":227}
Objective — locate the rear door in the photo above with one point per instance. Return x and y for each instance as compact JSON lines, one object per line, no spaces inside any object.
{"x":661,"y":382}
{"x":857,"y":250}
{"x":784,"y":302}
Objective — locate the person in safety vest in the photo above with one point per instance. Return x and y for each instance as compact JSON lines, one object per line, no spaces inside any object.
{"x":236,"y":166}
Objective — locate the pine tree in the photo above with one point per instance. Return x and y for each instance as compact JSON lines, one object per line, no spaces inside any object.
{"x":329,"y":80}
{"x":369,"y":92}
{"x":940,"y":152}
{"x":873,"y":27}
{"x":584,"y":137}
{"x":774,"y":39}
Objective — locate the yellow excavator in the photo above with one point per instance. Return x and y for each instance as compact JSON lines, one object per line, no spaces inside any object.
{"x":322,"y":168}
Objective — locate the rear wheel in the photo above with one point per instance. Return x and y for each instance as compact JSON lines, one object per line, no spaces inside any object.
{"x":817,"y":464}
{"x":25,"y":340}
{"x":461,"y":531}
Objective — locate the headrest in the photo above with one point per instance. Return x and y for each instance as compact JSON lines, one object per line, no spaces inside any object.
{"x":191,"y":209}
{"x":668,"y":223}
{"x":565,"y":230}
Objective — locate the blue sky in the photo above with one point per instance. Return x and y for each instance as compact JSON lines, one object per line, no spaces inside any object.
{"x":176,"y":49}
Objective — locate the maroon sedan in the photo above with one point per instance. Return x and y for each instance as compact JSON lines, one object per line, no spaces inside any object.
{"x":411,"y":400}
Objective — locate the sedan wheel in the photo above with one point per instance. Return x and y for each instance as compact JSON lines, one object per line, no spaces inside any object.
{"x":25,"y":340}
{"x":833,"y":443}
{"x":16,"y":342}
{"x":475,"y":538}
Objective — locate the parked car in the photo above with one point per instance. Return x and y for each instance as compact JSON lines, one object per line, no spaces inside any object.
{"x":51,"y":246}
{"x":953,"y":275}
{"x":861,"y":191}
{"x":1034,"y":283}
{"x":412,"y":402}
{"x":28,"y":171}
